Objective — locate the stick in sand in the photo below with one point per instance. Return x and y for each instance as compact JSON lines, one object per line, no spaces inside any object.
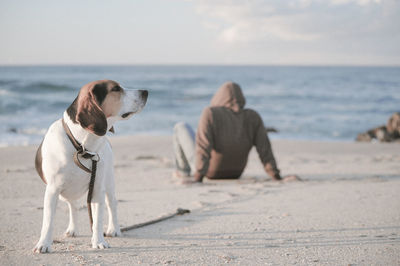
{"x":179,"y":211}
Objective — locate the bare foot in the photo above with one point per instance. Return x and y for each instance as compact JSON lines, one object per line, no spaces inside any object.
{"x":291,"y":178}
{"x":179,"y":174}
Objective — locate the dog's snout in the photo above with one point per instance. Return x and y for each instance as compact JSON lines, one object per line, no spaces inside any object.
{"x":144,"y":94}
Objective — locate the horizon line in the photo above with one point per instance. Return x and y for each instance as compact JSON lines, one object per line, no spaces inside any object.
{"x":191,"y":64}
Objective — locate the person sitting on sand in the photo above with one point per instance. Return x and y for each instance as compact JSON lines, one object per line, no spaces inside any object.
{"x":225,"y":135}
{"x":387,"y":133}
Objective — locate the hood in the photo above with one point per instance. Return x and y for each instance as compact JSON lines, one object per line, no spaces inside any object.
{"x":229,"y":95}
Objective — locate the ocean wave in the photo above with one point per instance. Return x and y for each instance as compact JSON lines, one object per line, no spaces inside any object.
{"x":40,"y":87}
{"x":27,"y":131}
{"x":7,"y":82}
{"x":21,"y":136}
{"x":303,"y":103}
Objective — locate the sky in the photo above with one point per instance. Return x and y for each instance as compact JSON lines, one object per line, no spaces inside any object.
{"x":223,"y":32}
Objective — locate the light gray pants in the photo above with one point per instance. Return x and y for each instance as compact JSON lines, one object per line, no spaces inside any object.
{"x":183,"y":141}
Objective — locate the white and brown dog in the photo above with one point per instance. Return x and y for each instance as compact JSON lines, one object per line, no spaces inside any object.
{"x":98,"y":106}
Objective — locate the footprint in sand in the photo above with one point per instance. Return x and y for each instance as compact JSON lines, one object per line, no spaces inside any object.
{"x":122,"y":166}
{"x":203,"y":204}
{"x":214,"y":191}
{"x":146,"y":157}
{"x":164,"y":160}
{"x":19,"y":170}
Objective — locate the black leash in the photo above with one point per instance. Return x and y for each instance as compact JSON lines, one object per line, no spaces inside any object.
{"x":179,"y":211}
{"x":94,"y":157}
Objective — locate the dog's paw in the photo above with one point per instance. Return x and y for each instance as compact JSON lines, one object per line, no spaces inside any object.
{"x":113,"y":232}
{"x":42,"y":247}
{"x":70,"y":233}
{"x":100,"y":244}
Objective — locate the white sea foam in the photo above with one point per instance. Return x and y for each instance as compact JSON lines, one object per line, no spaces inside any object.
{"x":4,"y":92}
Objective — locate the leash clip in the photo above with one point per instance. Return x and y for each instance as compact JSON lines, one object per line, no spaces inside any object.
{"x":94,"y":156}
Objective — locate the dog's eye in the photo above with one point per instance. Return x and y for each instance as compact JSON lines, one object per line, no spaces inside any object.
{"x":116,"y":88}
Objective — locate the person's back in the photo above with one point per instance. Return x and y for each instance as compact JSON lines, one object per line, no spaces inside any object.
{"x":226,"y":134}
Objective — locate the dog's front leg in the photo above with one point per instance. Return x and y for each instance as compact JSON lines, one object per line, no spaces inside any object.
{"x":98,"y":212}
{"x":49,"y":210}
{"x":71,"y":230}
{"x":113,"y":228}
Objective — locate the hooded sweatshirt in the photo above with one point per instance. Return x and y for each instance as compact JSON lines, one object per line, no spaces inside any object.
{"x":225,"y":135}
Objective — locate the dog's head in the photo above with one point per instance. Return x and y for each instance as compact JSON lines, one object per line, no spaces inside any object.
{"x":105,"y":100}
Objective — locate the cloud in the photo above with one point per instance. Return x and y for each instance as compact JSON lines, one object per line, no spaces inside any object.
{"x":359,"y":2}
{"x":362,"y":31}
{"x":295,"y":20}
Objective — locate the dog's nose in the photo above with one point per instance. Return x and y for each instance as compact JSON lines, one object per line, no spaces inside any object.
{"x":144,"y":95}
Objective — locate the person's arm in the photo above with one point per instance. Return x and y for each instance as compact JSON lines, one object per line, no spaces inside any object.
{"x":204,"y":144}
{"x":263,"y":146}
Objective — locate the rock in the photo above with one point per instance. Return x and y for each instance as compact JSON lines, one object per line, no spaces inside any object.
{"x":13,"y":130}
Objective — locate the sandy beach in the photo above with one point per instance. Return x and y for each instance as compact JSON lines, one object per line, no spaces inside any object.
{"x":345,"y":212}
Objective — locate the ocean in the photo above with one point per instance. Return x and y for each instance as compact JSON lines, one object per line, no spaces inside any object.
{"x":303,"y":103}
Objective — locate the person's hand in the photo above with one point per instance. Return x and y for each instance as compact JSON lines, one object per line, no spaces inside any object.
{"x":291,"y":178}
{"x":271,"y":129}
{"x":180,"y":175}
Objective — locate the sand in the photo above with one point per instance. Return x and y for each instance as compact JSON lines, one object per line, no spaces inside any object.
{"x":345,"y":212}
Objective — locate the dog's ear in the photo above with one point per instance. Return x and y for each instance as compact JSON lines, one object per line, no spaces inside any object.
{"x":89,"y":114}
